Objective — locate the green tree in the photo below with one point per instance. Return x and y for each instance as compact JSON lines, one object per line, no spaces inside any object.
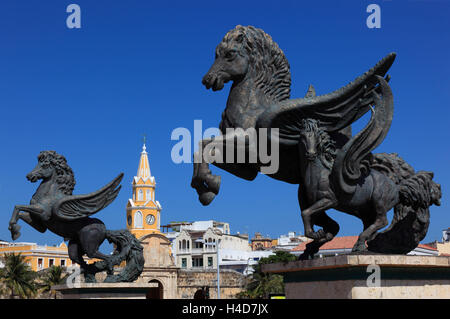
{"x":51,"y":277}
{"x":260,"y":284}
{"x":18,"y":277}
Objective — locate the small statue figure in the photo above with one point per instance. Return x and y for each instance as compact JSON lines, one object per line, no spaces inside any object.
{"x":53,"y":207}
{"x":316,"y":147}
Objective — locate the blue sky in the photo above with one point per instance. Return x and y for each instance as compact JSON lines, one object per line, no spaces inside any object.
{"x":135,"y":67}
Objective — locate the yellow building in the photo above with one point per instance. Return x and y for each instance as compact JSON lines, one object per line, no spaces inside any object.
{"x":143,"y":211}
{"x":37,"y":256}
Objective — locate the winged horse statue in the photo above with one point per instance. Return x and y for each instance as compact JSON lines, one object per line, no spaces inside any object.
{"x":53,"y":207}
{"x":259,"y":98}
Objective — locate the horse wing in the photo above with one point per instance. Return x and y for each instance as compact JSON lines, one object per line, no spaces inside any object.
{"x":354,"y":159}
{"x":335,"y":110}
{"x":78,"y":206}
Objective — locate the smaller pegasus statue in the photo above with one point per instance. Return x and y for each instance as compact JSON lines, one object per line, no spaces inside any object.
{"x":354,"y":181}
{"x":53,"y":207}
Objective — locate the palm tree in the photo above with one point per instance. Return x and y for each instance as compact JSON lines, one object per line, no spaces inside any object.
{"x":261,"y":285}
{"x":53,"y":276}
{"x":18,"y":277}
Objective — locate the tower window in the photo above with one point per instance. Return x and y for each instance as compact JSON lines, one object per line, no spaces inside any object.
{"x":140,"y":195}
{"x":138,"y":220}
{"x":147,"y":196}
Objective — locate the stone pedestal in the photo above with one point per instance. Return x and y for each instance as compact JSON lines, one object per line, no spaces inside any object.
{"x":107,"y":290}
{"x":355,"y":277}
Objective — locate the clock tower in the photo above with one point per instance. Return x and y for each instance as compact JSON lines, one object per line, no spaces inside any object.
{"x":143,"y":211}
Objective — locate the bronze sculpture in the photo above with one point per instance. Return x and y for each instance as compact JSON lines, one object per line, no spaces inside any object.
{"x":260,"y":98}
{"x":53,"y":207}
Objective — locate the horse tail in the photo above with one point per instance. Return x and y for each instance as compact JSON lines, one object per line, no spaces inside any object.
{"x":411,"y":215}
{"x":353,"y":160}
{"x":129,"y":249}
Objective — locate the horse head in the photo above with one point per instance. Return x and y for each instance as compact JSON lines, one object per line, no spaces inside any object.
{"x":53,"y":165}
{"x":315,"y":142}
{"x":250,"y":53}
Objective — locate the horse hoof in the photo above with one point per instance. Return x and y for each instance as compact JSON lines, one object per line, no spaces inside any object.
{"x":305,"y":256}
{"x":213,"y":182}
{"x":15,"y":235}
{"x":206,"y":198}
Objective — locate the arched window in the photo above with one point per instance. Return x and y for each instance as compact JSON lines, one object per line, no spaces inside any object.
{"x":147,"y":195}
{"x":140,"y":195}
{"x":138,"y":220}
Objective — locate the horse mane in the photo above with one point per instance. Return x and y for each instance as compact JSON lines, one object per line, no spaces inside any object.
{"x":269,"y":64}
{"x":326,"y":147}
{"x":65,"y":177}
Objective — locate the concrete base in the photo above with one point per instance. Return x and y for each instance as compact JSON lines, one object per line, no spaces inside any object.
{"x":107,"y":290}
{"x":355,"y":277}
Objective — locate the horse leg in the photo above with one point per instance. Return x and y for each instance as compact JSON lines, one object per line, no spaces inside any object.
{"x":384,"y":197}
{"x":33,"y":221}
{"x":308,"y":215}
{"x":91,"y":238}
{"x":206,"y":184}
{"x":380,"y":222}
{"x":330,"y":229}
{"x":33,"y":210}
{"x":76,"y":255}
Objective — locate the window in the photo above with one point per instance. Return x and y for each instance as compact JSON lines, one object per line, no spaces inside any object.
{"x":40,"y":264}
{"x":210,"y":262}
{"x":148,"y":195}
{"x":140,"y":195}
{"x":197,"y":262}
{"x":138,"y":220}
{"x":183,"y":262}
{"x":63,"y":262}
{"x":51,"y":262}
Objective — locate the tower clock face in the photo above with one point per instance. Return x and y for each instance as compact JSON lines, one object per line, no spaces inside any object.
{"x":129,"y":220}
{"x":150,"y":219}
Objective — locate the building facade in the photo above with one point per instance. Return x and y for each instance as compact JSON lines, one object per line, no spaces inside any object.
{"x":38,"y":257}
{"x":198,"y":245}
{"x":259,"y":242}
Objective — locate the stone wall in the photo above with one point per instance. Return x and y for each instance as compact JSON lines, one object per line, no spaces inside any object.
{"x":189,"y":281}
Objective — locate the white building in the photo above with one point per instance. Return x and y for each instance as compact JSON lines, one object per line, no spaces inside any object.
{"x":446,"y":235}
{"x":289,"y":241}
{"x":195,"y":245}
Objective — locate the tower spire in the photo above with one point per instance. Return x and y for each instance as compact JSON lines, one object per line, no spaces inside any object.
{"x":143,"y":210}
{"x":144,"y":166}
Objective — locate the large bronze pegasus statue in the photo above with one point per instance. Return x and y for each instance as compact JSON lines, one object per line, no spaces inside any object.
{"x":315,"y":145}
{"x":53,"y":207}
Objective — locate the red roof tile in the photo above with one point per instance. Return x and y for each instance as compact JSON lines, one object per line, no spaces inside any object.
{"x":336,"y":243}
{"x":344,"y":242}
{"x":426,"y":247}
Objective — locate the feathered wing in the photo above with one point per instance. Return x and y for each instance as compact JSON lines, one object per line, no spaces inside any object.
{"x":79,"y":206}
{"x":354,"y":158}
{"x":335,"y":110}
